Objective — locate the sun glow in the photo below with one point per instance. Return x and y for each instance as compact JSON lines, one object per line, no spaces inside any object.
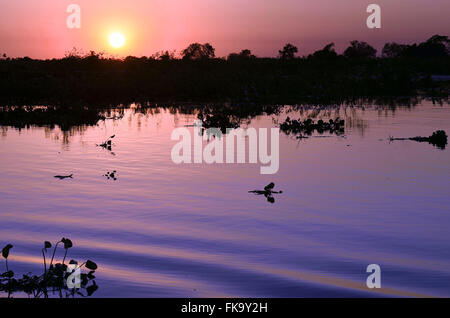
{"x":116,"y":40}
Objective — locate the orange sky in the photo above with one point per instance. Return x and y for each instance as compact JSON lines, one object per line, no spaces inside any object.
{"x":37,"y":28}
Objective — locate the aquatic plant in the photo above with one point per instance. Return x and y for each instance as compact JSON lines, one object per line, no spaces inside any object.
{"x":222,"y":119}
{"x":70,"y":176}
{"x":107,"y":144}
{"x":55,"y":277}
{"x":5,"y":254}
{"x":111,"y":175}
{"x":267,"y":192}
{"x":437,"y":139}
{"x":308,"y":126}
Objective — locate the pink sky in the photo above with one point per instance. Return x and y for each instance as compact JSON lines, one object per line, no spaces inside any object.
{"x":37,"y":28}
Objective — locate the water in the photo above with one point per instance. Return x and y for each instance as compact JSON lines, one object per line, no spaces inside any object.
{"x":166,"y":230}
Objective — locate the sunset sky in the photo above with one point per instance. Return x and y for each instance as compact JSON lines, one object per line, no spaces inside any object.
{"x":37,"y":28}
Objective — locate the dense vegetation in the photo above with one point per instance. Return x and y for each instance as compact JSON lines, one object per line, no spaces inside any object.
{"x":198,"y":76}
{"x":62,"y":279}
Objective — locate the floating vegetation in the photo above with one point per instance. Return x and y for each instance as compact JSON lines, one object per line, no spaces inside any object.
{"x":57,"y":278}
{"x":111,"y":175}
{"x":107,"y":144}
{"x":308,"y":126}
{"x":437,"y":139}
{"x":219,"y":119}
{"x":70,"y":176}
{"x":267,"y":192}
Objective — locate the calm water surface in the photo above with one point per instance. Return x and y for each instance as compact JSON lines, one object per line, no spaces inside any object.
{"x":166,"y":230}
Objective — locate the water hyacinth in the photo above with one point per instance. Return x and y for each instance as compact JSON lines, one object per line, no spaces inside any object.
{"x":55,"y":278}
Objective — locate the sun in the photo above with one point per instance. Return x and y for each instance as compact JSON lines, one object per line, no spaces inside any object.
{"x":116,"y":40}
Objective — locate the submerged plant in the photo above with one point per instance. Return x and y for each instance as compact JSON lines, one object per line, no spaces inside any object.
{"x":56,"y":277}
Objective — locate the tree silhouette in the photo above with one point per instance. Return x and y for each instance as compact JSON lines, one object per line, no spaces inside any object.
{"x":327,"y":52}
{"x":288,"y":52}
{"x":394,"y":50}
{"x":436,"y":46}
{"x":91,"y":80}
{"x":164,"y":55}
{"x":360,"y":50}
{"x":243,"y":55}
{"x":197,"y":51}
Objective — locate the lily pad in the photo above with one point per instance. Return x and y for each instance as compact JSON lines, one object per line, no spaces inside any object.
{"x":5,"y":250}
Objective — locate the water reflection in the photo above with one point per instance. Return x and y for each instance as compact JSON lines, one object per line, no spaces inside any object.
{"x":73,"y":121}
{"x":163,"y":229}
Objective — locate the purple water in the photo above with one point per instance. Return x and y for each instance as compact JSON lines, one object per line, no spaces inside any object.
{"x":167,"y":230}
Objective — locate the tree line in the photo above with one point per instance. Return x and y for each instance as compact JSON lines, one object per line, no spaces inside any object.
{"x":435,"y":47}
{"x":197,"y":75}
